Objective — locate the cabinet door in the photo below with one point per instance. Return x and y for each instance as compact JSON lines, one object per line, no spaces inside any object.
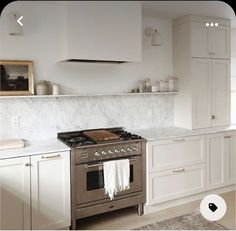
{"x":201,"y":82}
{"x":220,"y":42}
{"x":200,"y":40}
{"x":216,"y":161}
{"x":15,"y":194}
{"x":220,"y":92}
{"x":50,"y":185}
{"x":175,"y":183}
{"x":230,"y":149}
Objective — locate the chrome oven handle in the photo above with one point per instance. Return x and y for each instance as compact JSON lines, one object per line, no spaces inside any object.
{"x":100,"y":165}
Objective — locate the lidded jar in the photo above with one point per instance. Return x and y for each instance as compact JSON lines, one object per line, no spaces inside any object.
{"x":43,"y":87}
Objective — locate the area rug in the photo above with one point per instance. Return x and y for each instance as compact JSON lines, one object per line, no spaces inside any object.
{"x":193,"y":221}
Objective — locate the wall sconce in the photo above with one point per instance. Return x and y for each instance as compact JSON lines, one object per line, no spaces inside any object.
{"x":156,"y":37}
{"x":14,"y":26}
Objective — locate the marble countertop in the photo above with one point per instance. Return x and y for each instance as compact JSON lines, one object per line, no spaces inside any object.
{"x":174,"y":132}
{"x":35,"y":148}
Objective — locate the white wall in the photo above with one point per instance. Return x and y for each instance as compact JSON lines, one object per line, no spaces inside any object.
{"x":43,"y":42}
{"x":44,"y":39}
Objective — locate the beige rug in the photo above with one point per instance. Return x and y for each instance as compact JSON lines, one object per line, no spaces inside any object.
{"x":193,"y":221}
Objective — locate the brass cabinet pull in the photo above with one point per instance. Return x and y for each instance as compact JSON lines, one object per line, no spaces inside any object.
{"x":178,"y":171}
{"x":49,"y":157}
{"x":179,"y":140}
{"x":227,"y":137}
{"x":27,"y":164}
{"x":213,"y":117}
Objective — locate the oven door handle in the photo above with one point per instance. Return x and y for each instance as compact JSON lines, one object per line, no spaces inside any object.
{"x":100,"y":165}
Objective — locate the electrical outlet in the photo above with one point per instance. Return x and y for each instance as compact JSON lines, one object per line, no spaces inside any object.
{"x":149,"y":112}
{"x":15,"y":121}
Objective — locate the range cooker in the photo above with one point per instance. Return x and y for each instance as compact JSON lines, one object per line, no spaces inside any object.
{"x":89,"y":149}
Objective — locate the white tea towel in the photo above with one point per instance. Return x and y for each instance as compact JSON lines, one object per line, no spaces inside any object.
{"x":116,"y":176}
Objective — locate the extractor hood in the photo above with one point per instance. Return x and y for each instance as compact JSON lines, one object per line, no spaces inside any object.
{"x":94,"y":61}
{"x":103,"y":32}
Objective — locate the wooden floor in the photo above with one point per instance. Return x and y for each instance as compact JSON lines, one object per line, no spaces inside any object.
{"x":128,"y":219}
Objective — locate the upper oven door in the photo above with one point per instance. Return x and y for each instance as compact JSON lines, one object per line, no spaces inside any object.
{"x":90,"y":182}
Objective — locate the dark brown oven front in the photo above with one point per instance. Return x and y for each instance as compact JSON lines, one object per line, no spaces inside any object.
{"x":90,"y":180}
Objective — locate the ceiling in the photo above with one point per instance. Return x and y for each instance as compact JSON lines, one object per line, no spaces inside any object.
{"x":175,"y":9}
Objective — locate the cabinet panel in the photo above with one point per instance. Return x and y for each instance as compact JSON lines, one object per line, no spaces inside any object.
{"x":201,"y":82}
{"x":216,"y":161}
{"x":230,"y":143}
{"x":15,"y":194}
{"x":200,"y":40}
{"x":221,"y":92}
{"x":168,"y":154}
{"x":220,"y":42}
{"x":172,"y":184}
{"x":50,"y":184}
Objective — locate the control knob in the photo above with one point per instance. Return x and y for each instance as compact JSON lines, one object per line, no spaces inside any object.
{"x":117,"y":150}
{"x":97,"y":154}
{"x":134,"y":148}
{"x":110,"y":152}
{"x":104,"y":153}
{"x":129,"y":149}
{"x":122,"y":150}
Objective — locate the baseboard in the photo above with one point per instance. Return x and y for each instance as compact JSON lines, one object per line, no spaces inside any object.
{"x":186,"y":199}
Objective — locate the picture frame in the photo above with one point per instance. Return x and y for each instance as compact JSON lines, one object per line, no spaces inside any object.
{"x":16,"y":78}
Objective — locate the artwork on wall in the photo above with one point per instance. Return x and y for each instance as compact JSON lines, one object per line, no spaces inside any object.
{"x":16,"y":77}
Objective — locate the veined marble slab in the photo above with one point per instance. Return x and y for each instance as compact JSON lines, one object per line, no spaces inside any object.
{"x":35,"y":147}
{"x":158,"y":133}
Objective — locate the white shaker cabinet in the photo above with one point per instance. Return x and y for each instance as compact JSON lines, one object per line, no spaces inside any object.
{"x":15,"y":194}
{"x":211,"y":93}
{"x":50,"y":185}
{"x":210,"y":42}
{"x":201,"y":60}
{"x":104,"y":30}
{"x":35,"y":192}
{"x":221,"y":152}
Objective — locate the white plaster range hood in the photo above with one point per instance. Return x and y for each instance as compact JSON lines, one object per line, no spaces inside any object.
{"x":103,"y":31}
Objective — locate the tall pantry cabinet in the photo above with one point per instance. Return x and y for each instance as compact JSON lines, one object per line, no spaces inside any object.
{"x":201,"y":57}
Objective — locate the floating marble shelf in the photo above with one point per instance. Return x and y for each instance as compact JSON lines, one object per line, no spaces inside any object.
{"x":90,"y":95}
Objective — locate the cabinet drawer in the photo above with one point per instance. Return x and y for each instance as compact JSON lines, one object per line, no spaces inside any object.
{"x":172,"y":184}
{"x":167,"y":154}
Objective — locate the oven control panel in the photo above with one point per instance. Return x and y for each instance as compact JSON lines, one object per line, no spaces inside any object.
{"x":111,"y":151}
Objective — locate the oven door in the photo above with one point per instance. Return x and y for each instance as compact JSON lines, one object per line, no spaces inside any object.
{"x":90,"y":182}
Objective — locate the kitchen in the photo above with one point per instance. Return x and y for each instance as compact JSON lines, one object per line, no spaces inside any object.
{"x":97,"y":95}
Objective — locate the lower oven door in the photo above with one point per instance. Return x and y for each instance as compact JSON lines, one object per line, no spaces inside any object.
{"x":90,"y":182}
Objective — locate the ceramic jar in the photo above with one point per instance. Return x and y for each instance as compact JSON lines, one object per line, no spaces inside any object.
{"x":55,"y":89}
{"x":43,"y":87}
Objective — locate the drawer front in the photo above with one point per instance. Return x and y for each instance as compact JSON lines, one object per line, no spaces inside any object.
{"x":172,"y":184}
{"x":168,"y":154}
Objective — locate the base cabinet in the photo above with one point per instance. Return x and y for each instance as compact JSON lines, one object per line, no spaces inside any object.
{"x":35,"y":192}
{"x":189,"y":165}
{"x":50,"y":184}
{"x":15,"y":194}
{"x":221,"y":152}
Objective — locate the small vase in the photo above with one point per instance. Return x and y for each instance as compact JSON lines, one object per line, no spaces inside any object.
{"x":43,"y":87}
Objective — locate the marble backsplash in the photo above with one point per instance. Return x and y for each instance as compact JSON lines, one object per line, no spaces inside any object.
{"x":43,"y":117}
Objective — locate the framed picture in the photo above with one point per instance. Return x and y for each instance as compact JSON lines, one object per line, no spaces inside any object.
{"x":16,"y":77}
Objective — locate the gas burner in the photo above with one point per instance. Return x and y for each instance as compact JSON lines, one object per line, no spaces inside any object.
{"x":77,"y":139}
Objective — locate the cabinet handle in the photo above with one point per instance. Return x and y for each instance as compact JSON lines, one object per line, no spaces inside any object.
{"x":179,"y":140}
{"x":27,"y":164}
{"x":178,"y":171}
{"x":227,"y":137}
{"x":49,"y":157}
{"x":210,"y":53}
{"x":213,"y":53}
{"x":213,"y":117}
